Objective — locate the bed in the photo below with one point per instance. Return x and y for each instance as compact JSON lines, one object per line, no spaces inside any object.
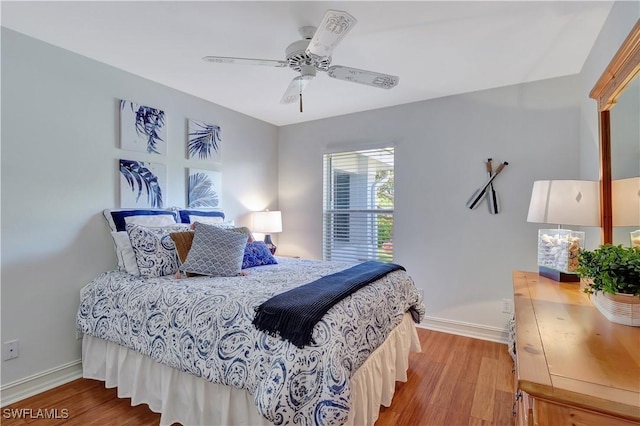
{"x":187,"y":347}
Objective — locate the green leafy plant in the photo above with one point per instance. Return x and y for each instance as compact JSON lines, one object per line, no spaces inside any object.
{"x":611,"y":269}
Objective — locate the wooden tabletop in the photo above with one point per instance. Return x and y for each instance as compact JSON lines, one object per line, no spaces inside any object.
{"x":568,"y":352}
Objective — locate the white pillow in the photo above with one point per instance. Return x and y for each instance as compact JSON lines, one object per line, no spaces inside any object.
{"x":151,"y":221}
{"x":124,"y":252}
{"x":207,"y":220}
{"x":118,"y":251}
{"x":224,"y":225}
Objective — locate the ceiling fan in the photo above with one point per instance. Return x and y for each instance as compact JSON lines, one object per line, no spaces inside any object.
{"x":312,"y":54}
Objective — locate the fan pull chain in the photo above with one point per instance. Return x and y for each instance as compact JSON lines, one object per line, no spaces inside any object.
{"x":300,"y":102}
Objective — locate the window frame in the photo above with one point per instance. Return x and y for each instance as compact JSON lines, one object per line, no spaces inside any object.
{"x":359,"y":234}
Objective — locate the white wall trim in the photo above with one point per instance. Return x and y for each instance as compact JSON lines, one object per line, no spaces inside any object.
{"x":38,"y":383}
{"x":476,"y":331}
{"x":336,"y":148}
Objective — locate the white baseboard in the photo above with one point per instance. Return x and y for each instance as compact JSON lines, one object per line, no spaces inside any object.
{"x":33,"y":385}
{"x":483,"y":332}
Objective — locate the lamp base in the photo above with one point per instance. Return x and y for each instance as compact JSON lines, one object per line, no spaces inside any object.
{"x":267,"y":240}
{"x":558,"y":276}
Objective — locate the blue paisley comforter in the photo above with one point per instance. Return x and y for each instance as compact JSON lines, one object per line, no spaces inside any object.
{"x":202,"y":326}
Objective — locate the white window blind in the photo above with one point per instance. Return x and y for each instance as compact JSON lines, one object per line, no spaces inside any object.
{"x":358,"y":205}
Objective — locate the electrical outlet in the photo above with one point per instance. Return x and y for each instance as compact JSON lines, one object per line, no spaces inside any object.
{"x":507,"y":306}
{"x":10,"y":350}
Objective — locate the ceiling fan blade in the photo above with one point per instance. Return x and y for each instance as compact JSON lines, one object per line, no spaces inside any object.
{"x":370,"y":78}
{"x":246,"y":61}
{"x":334,"y":26}
{"x":296,"y":87}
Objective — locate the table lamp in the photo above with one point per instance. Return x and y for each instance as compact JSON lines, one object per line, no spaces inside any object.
{"x":563,"y":202}
{"x":267,"y":222}
{"x":625,"y":205}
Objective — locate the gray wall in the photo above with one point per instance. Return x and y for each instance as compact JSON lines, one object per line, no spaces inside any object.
{"x":462,"y":259}
{"x":622,"y":18}
{"x":59,"y":171}
{"x":59,"y":152}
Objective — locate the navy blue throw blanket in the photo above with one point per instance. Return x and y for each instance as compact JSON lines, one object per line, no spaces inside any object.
{"x":293,"y":314}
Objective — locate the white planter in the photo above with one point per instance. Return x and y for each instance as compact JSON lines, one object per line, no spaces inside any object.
{"x":618,"y":308}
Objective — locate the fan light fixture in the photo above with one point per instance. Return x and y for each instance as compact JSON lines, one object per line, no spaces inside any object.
{"x":312,"y":54}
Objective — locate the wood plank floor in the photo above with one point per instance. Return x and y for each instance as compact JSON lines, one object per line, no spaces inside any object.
{"x":454,"y":381}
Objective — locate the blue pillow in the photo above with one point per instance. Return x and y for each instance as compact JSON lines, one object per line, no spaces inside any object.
{"x":118,"y":222}
{"x":257,"y":253}
{"x":184,"y":214}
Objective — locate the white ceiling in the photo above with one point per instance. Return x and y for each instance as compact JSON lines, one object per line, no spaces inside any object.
{"x":436,"y":48}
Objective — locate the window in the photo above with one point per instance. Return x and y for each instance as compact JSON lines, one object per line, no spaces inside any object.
{"x":341,"y":194}
{"x":358,"y":205}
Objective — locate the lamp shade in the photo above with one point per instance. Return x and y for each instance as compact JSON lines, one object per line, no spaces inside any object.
{"x":267,"y":222}
{"x":625,"y":201}
{"x":565,"y":202}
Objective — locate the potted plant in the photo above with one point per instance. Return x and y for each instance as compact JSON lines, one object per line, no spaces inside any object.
{"x":612,"y":275}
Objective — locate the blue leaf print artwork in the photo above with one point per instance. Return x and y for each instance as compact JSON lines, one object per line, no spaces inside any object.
{"x":142,"y":128}
{"x":139,"y":179}
{"x":203,"y":189}
{"x":204,"y":141}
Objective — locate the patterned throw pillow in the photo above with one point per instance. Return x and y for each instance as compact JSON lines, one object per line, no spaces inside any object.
{"x":215,"y":251}
{"x":154,"y":249}
{"x":257,"y":254}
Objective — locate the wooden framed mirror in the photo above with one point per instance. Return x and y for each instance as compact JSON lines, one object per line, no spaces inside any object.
{"x":623,"y":69}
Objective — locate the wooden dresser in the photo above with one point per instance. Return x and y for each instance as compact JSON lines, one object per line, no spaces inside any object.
{"x":573,"y":366}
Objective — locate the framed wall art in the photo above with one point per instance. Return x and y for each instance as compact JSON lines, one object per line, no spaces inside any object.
{"x":204,"y":189}
{"x":142,"y":184}
{"x":204,"y":141}
{"x":142,"y":128}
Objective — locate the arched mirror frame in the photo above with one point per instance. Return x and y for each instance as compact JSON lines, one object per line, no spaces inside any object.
{"x":621,"y":70}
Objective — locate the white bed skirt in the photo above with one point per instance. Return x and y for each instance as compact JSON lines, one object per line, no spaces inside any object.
{"x":184,"y":398}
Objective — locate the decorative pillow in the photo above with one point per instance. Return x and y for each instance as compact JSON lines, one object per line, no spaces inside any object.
{"x":184,"y":214}
{"x":124,"y":252}
{"x":209,"y":220}
{"x":224,"y":225}
{"x":116,"y":218}
{"x":257,"y":254}
{"x":183,"y":241}
{"x":238,"y":229}
{"x":151,"y":220}
{"x":215,"y":251}
{"x":154,"y":249}
{"x":242,"y":230}
{"x":227,"y":224}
